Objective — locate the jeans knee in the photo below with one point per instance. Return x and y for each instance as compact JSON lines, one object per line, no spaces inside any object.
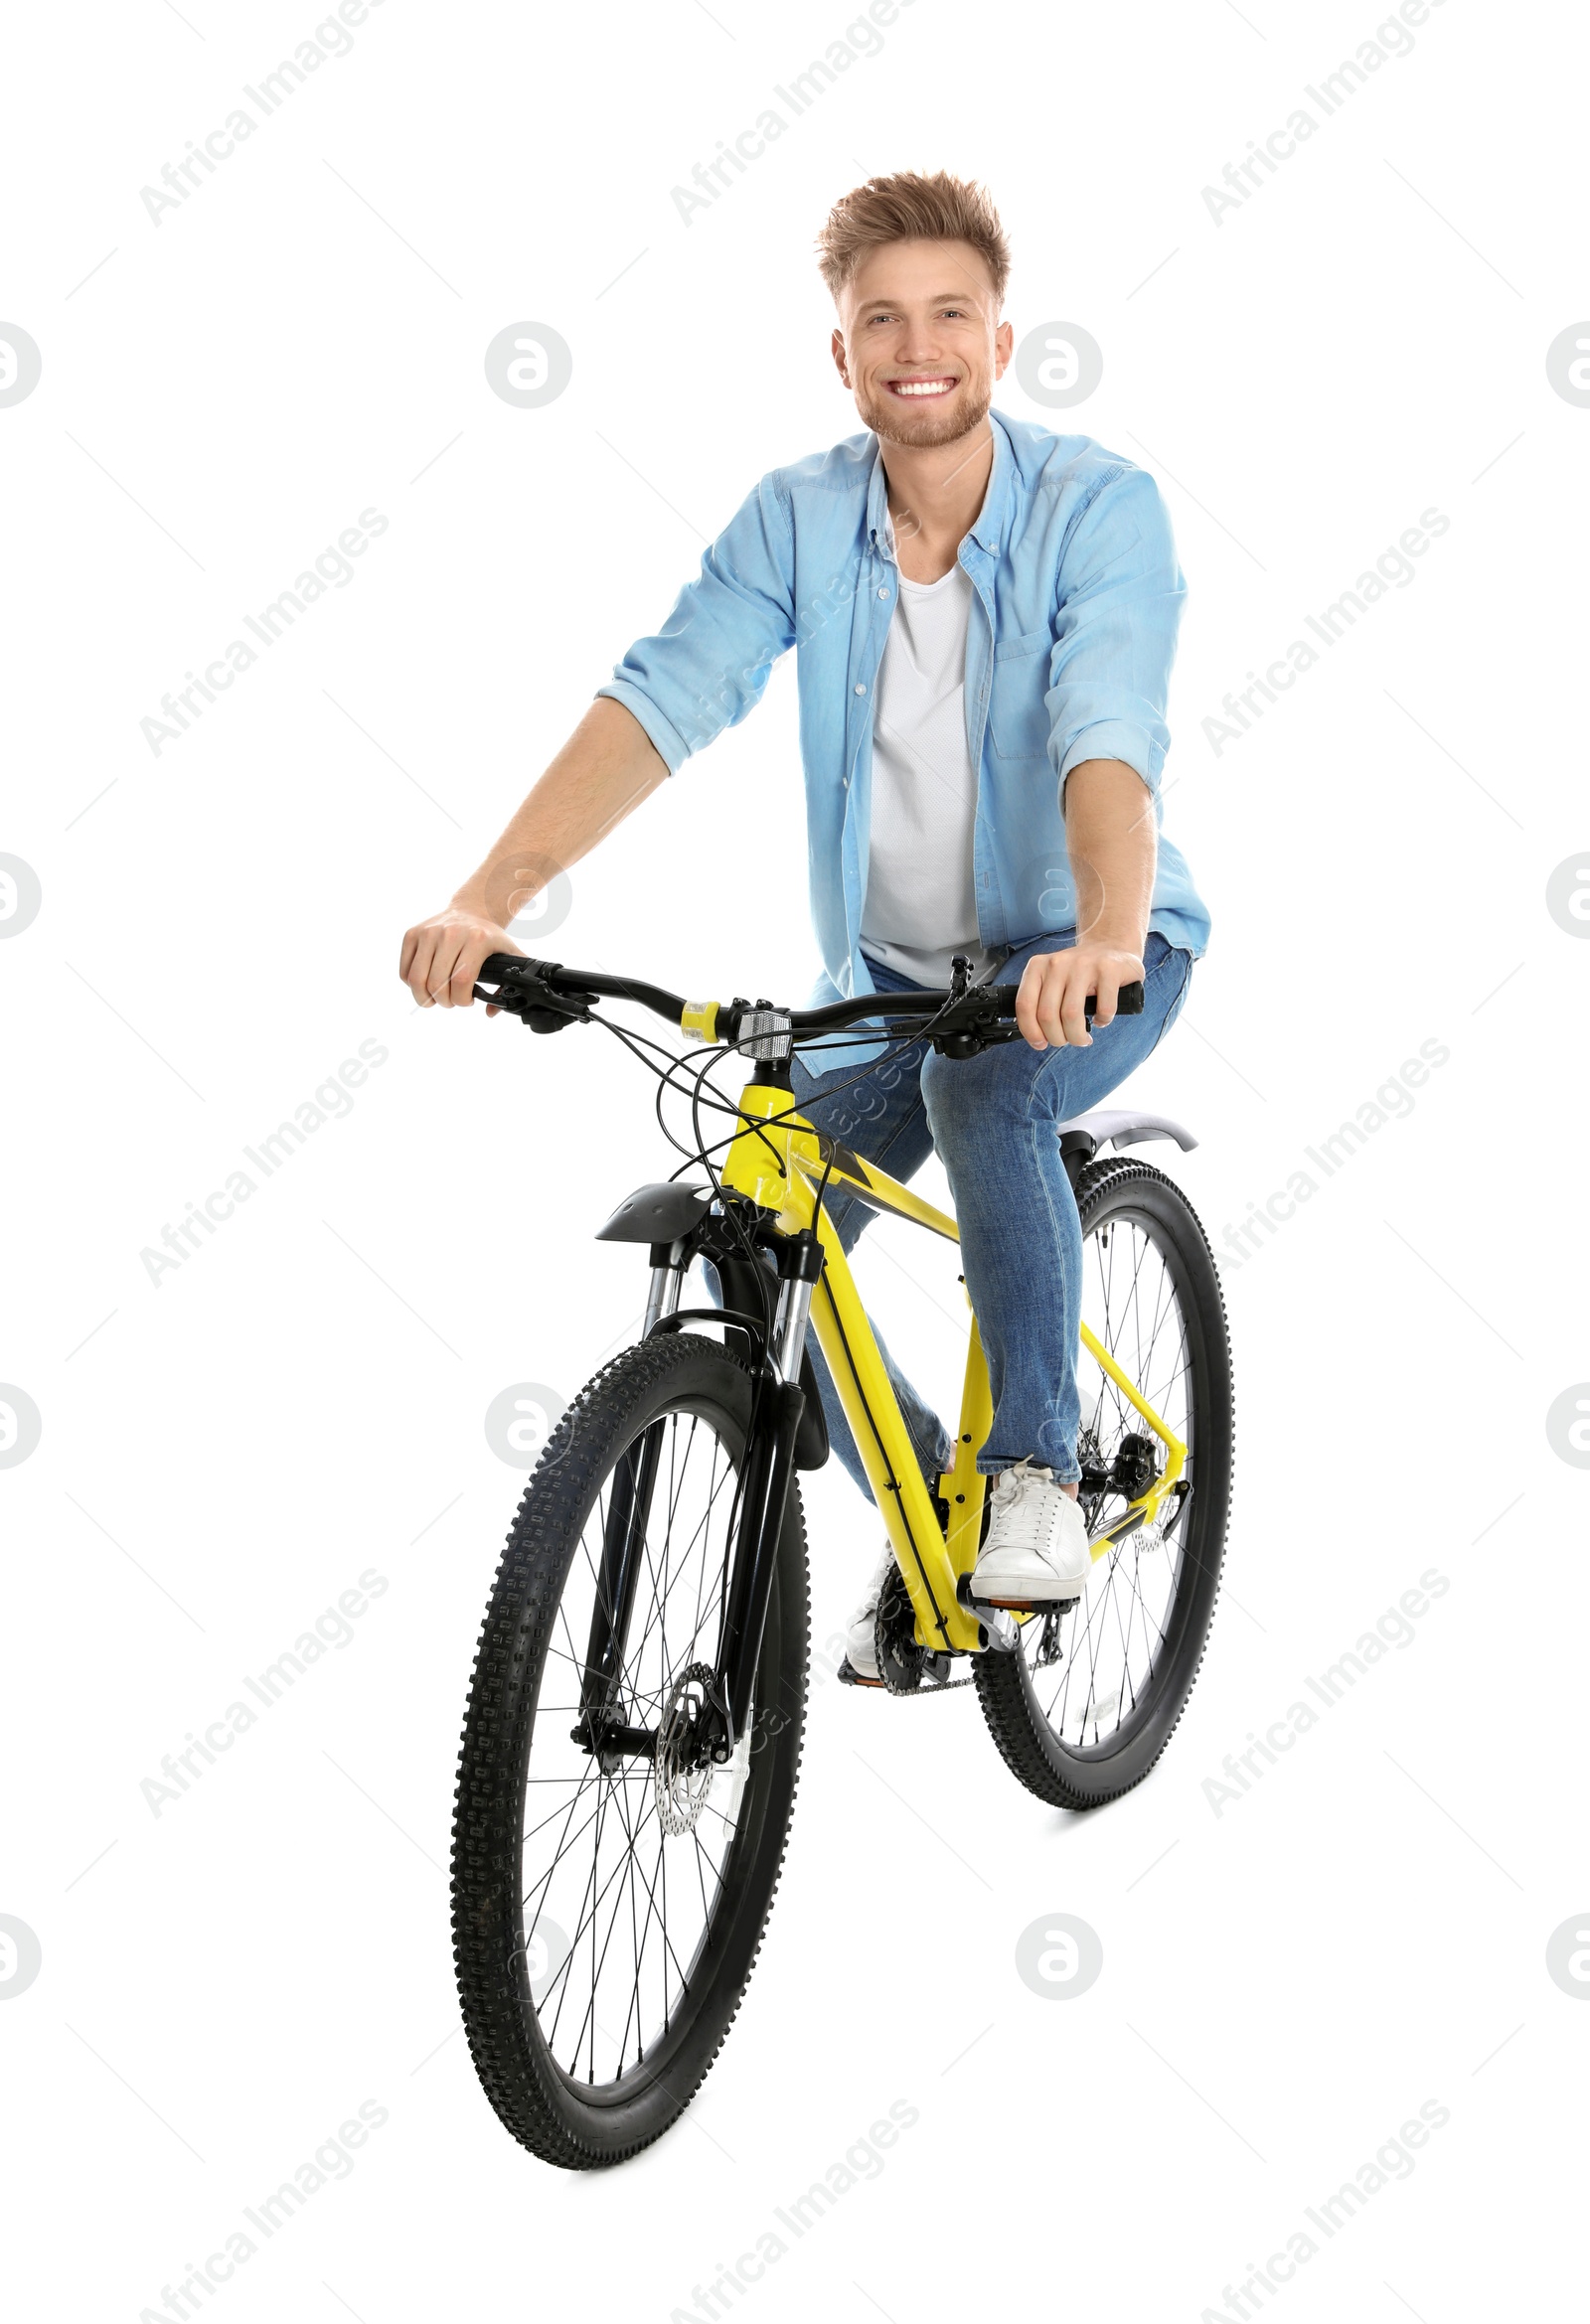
{"x":981,"y":1099}
{"x":953,"y":1093}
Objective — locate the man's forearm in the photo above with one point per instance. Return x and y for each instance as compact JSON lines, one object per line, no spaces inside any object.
{"x":605,"y":770}
{"x":1112,"y":843}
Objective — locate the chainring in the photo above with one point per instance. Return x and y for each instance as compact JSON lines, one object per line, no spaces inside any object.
{"x":900,"y":1660}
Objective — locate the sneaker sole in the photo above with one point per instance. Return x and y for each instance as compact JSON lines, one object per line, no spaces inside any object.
{"x":1030,"y":1604}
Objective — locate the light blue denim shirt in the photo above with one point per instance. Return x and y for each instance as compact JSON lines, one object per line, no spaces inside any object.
{"x":1068,"y":651}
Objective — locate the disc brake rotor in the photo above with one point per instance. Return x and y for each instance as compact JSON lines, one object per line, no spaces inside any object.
{"x":683,"y":1770}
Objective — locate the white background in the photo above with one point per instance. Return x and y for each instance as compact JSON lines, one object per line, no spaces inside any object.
{"x":223,"y":1455}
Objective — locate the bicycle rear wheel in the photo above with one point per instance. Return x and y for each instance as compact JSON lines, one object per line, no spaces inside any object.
{"x":609,"y":1907}
{"x":1086,"y":1704}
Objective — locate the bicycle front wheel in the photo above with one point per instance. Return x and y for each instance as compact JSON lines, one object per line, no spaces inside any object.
{"x":608,"y":1904}
{"x":1086,"y":1705}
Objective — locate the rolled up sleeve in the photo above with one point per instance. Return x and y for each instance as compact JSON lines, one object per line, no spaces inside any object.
{"x":1120,"y":606}
{"x":710,"y":662}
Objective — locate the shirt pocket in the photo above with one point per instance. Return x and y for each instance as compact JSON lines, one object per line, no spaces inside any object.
{"x":1017,"y":717}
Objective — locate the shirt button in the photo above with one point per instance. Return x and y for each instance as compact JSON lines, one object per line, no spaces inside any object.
{"x":883,"y":592}
{"x":861,"y":689}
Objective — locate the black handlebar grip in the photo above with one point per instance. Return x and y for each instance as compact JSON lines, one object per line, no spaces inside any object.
{"x":1128,"y":1001}
{"x":496,"y":965}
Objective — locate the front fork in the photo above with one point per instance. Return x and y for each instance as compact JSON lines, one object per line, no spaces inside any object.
{"x":624,"y":1541}
{"x":765,"y":1483}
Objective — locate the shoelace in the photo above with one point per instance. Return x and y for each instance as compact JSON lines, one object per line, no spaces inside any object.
{"x":1024,"y":1509}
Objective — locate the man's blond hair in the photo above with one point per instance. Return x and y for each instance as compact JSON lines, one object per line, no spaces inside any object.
{"x":910,"y":207}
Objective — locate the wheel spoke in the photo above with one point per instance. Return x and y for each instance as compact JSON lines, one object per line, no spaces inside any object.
{"x":1115,"y":1639}
{"x":597,"y":1864}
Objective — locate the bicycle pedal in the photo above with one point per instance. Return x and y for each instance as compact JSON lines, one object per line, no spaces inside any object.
{"x":1028,"y":1605}
{"x":848,"y":1675}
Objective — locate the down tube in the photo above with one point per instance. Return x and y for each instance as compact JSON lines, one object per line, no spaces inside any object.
{"x":868,"y":1399}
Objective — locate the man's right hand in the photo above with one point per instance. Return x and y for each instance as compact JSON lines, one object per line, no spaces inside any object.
{"x":441,"y":957}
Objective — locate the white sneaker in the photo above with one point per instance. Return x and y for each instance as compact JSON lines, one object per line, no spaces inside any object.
{"x":861,"y":1640}
{"x":1035,"y":1551}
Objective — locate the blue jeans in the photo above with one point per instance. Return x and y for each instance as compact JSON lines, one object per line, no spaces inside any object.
{"x":993,"y":1121}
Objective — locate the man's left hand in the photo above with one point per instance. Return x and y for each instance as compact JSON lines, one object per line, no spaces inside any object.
{"x":1049,"y":1003}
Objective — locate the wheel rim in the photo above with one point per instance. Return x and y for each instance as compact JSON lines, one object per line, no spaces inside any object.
{"x":1092,"y":1668}
{"x":617,"y":1907}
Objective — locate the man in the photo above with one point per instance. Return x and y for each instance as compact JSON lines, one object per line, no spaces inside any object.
{"x":985,"y":615}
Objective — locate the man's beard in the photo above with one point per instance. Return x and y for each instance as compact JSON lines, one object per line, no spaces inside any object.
{"x":924,"y":431}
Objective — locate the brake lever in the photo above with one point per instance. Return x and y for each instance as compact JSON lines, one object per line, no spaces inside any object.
{"x":526,"y":993}
{"x":972,"y":1026}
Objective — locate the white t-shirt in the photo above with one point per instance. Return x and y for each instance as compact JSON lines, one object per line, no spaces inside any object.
{"x":922,"y":903}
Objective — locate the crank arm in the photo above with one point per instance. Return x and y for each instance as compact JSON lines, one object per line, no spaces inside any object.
{"x":1003,"y":1629}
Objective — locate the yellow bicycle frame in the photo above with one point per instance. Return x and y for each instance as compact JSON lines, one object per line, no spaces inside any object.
{"x":778,"y":1160}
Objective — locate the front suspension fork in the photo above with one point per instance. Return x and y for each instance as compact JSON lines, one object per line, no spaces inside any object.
{"x":764,"y":1485}
{"x":763,"y":1493}
{"x":623,"y":1554}
{"x":624,"y":1534}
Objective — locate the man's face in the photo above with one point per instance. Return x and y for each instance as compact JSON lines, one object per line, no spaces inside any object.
{"x":919,"y":342}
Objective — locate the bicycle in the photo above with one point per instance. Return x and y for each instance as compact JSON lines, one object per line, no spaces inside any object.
{"x":635,"y":1717}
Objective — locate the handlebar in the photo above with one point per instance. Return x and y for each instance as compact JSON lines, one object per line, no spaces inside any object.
{"x":516,"y":974}
{"x":966,"y":1018}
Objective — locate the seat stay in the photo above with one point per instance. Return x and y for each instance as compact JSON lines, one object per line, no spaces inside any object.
{"x":1152,"y":1499}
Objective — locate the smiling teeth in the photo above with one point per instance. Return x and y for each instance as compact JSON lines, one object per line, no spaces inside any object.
{"x":921,"y":386}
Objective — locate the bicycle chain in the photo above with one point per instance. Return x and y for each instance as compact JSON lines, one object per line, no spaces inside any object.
{"x":895,"y":1587}
{"x":946,"y":1686}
